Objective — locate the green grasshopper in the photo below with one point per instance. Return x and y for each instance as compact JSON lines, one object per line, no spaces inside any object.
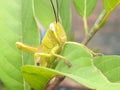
{"x":51,"y":46}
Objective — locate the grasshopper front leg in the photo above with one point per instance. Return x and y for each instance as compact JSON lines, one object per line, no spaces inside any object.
{"x":40,"y":55}
{"x":53,"y":52}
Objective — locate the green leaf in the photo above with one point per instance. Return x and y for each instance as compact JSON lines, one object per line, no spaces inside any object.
{"x":83,"y":70}
{"x":65,"y":14}
{"x":84,"y":7}
{"x":44,"y":13}
{"x":110,"y":5}
{"x":38,"y":77}
{"x":16,"y":24}
{"x":109,"y":66}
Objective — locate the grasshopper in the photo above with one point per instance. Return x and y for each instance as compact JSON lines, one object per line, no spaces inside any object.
{"x":51,"y":46}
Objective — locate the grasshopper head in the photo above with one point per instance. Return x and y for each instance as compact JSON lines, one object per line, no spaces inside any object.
{"x":58,"y":32}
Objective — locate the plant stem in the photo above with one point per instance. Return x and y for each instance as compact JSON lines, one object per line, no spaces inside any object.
{"x":85,"y":25}
{"x":57,"y":81}
{"x":98,"y":24}
{"x":85,"y":19}
{"x":24,"y":82}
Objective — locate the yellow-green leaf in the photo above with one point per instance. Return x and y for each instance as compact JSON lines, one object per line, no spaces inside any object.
{"x":109,"y":66}
{"x":110,"y":5}
{"x":38,"y":77}
{"x":84,"y":7}
{"x":16,"y":24}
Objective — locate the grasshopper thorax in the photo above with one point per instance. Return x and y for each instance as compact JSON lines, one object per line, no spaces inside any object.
{"x":58,"y":32}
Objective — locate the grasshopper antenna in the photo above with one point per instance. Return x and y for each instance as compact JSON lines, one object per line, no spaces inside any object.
{"x":57,"y":10}
{"x":54,"y":11}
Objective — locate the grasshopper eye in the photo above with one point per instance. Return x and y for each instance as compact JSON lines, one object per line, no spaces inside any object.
{"x":52,"y":27}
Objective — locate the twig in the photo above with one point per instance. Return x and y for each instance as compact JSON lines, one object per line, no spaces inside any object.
{"x":98,"y":24}
{"x":57,"y":81}
{"x":85,"y":19}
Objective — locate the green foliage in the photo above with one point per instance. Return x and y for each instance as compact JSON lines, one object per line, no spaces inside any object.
{"x":44,"y":12}
{"x":65,"y":14}
{"x":38,"y":77}
{"x":83,"y":69}
{"x":110,"y":5}
{"x":109,"y":66}
{"x":84,"y":7}
{"x":16,"y":24}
